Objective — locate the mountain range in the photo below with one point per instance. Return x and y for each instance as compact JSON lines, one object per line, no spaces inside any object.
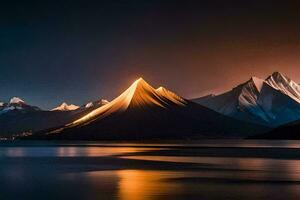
{"x":143,"y":112}
{"x":259,"y":108}
{"x":17,"y":117}
{"x":271,"y":102}
{"x":16,"y":103}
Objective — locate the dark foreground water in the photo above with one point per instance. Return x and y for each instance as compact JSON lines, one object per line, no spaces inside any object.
{"x":199,"y":170}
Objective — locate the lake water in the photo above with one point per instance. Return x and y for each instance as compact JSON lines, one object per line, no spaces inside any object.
{"x":142,"y":171}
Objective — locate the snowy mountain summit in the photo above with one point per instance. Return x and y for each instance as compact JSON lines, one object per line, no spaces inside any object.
{"x":16,"y":103}
{"x":65,"y":107}
{"x":285,"y":85}
{"x":98,"y":103}
{"x":273,"y":101}
{"x":16,"y":100}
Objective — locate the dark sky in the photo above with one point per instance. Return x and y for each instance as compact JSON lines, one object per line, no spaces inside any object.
{"x":77,"y":51}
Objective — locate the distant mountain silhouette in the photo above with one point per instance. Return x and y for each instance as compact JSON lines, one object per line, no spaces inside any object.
{"x":142,"y":112}
{"x":271,"y":102}
{"x":17,"y":117}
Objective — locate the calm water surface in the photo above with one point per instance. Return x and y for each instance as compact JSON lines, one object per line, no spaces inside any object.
{"x":144,"y":171}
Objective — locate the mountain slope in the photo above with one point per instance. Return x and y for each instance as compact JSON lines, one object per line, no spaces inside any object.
{"x":272,"y":102}
{"x":142,"y":112}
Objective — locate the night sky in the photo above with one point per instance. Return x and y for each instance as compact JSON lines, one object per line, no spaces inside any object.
{"x":78,"y":51}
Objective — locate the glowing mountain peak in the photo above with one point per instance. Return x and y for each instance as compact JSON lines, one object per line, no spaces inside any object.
{"x":140,"y":79}
{"x":131,"y":96}
{"x":141,"y":83}
{"x":144,"y":94}
{"x":160,"y":89}
{"x":139,"y":95}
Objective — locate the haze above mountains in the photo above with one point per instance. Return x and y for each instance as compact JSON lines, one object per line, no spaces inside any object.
{"x":143,"y":112}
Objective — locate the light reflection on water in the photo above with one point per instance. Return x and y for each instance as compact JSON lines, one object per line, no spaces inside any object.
{"x":253,"y":168}
{"x":213,"y":143}
{"x":68,"y":151}
{"x":258,"y":164}
{"x":166,"y":184}
{"x":60,"y":172}
{"x":143,"y":185}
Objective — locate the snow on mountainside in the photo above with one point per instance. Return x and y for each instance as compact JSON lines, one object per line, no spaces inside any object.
{"x":88,"y":105}
{"x":16,"y":100}
{"x":285,"y":85}
{"x":65,"y":107}
{"x":16,"y":103}
{"x":17,"y":117}
{"x":273,"y":101}
{"x":98,"y":103}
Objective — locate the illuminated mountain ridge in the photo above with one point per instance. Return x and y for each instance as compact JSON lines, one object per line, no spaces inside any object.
{"x":143,"y":112}
{"x":139,"y":94}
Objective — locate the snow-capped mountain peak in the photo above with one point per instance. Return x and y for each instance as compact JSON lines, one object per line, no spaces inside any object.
{"x":273,"y":101}
{"x":100,"y":102}
{"x":285,"y":85}
{"x":17,"y":104}
{"x":279,"y":75}
{"x":104,"y":101}
{"x":122,"y":102}
{"x":16,"y":100}
{"x":65,"y":107}
{"x":89,"y":105}
{"x":143,"y":94}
